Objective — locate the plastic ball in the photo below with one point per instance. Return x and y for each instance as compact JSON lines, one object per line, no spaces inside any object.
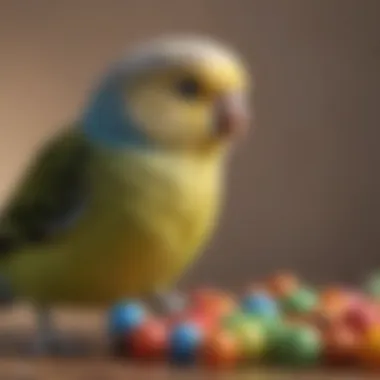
{"x":372,"y":286}
{"x":341,"y":345}
{"x":252,"y":339}
{"x":235,"y":319}
{"x":261,"y":305}
{"x":124,"y":317}
{"x":359,"y":317}
{"x":274,"y":332}
{"x":356,"y":298}
{"x":369,"y":353}
{"x":332,"y":304}
{"x":184,"y":343}
{"x":334,"y":297}
{"x":221,"y":350}
{"x":300,"y":302}
{"x":212,"y":301}
{"x":204,"y":297}
{"x":206,"y":321}
{"x":297,"y":346}
{"x":149,"y":340}
{"x":283,"y":284}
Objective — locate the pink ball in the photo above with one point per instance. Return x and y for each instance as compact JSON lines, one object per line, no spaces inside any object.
{"x":357,"y":299}
{"x":360,"y":317}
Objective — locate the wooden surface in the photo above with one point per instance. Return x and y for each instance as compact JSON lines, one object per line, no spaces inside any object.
{"x":16,"y":329}
{"x":107,"y":369}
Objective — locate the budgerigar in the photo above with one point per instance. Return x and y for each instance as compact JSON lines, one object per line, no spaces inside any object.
{"x":119,"y":203}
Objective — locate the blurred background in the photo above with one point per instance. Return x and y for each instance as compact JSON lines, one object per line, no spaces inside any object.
{"x":304,"y":190}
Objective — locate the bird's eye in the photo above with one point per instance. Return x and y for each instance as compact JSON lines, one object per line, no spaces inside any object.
{"x":189,"y":87}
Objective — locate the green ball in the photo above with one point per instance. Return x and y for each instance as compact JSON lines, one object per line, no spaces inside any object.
{"x":235,"y":319}
{"x":297,"y":346}
{"x":373,"y":286}
{"x":274,"y":332}
{"x":301,"y":301}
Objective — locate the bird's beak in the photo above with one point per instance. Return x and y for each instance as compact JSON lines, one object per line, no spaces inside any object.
{"x":231,"y":115}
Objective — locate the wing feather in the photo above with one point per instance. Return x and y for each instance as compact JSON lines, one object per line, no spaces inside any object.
{"x":51,"y":195}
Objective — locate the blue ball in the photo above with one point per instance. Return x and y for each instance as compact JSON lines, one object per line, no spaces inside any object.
{"x":260,"y":304}
{"x":184,"y":342}
{"x":125,"y":317}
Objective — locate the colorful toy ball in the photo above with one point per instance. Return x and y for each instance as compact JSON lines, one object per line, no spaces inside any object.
{"x":251,"y":336}
{"x":221,"y":350}
{"x":149,"y":340}
{"x":206,"y":321}
{"x":260,"y":304}
{"x":184,"y":343}
{"x":333,"y":297}
{"x":369,"y":353}
{"x":332,"y":304}
{"x":211,"y":301}
{"x":341,"y":345}
{"x":360,"y":317}
{"x":301,"y":301}
{"x":125,"y":317}
{"x":282,"y":284}
{"x":372,"y":286}
{"x":297,"y":346}
{"x":236,"y":319}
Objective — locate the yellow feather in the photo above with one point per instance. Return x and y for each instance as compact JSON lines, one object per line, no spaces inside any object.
{"x":151,"y":215}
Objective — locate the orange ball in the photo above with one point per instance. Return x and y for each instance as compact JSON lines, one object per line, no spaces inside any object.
{"x":333,"y":303}
{"x":208,"y":322}
{"x":212,"y":301}
{"x":333,"y":299}
{"x":370,"y":348}
{"x":221,"y":350}
{"x":149,"y":341}
{"x":283,"y":284}
{"x":341,"y":345}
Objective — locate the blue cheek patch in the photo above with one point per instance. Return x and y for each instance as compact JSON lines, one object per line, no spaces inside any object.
{"x":106,"y":120}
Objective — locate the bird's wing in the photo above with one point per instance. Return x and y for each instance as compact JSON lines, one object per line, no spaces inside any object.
{"x":51,"y":196}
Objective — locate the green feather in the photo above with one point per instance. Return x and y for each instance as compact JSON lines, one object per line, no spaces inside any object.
{"x":52,"y":191}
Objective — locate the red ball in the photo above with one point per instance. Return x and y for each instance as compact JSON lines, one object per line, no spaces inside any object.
{"x":341,"y":345}
{"x":359,"y":317}
{"x":149,"y":341}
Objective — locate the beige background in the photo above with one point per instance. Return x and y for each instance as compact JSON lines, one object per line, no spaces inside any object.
{"x":304,"y":189}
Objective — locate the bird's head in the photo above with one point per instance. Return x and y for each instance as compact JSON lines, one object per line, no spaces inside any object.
{"x":180,"y":93}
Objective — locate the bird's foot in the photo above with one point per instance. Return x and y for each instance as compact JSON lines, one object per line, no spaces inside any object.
{"x":48,"y":342}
